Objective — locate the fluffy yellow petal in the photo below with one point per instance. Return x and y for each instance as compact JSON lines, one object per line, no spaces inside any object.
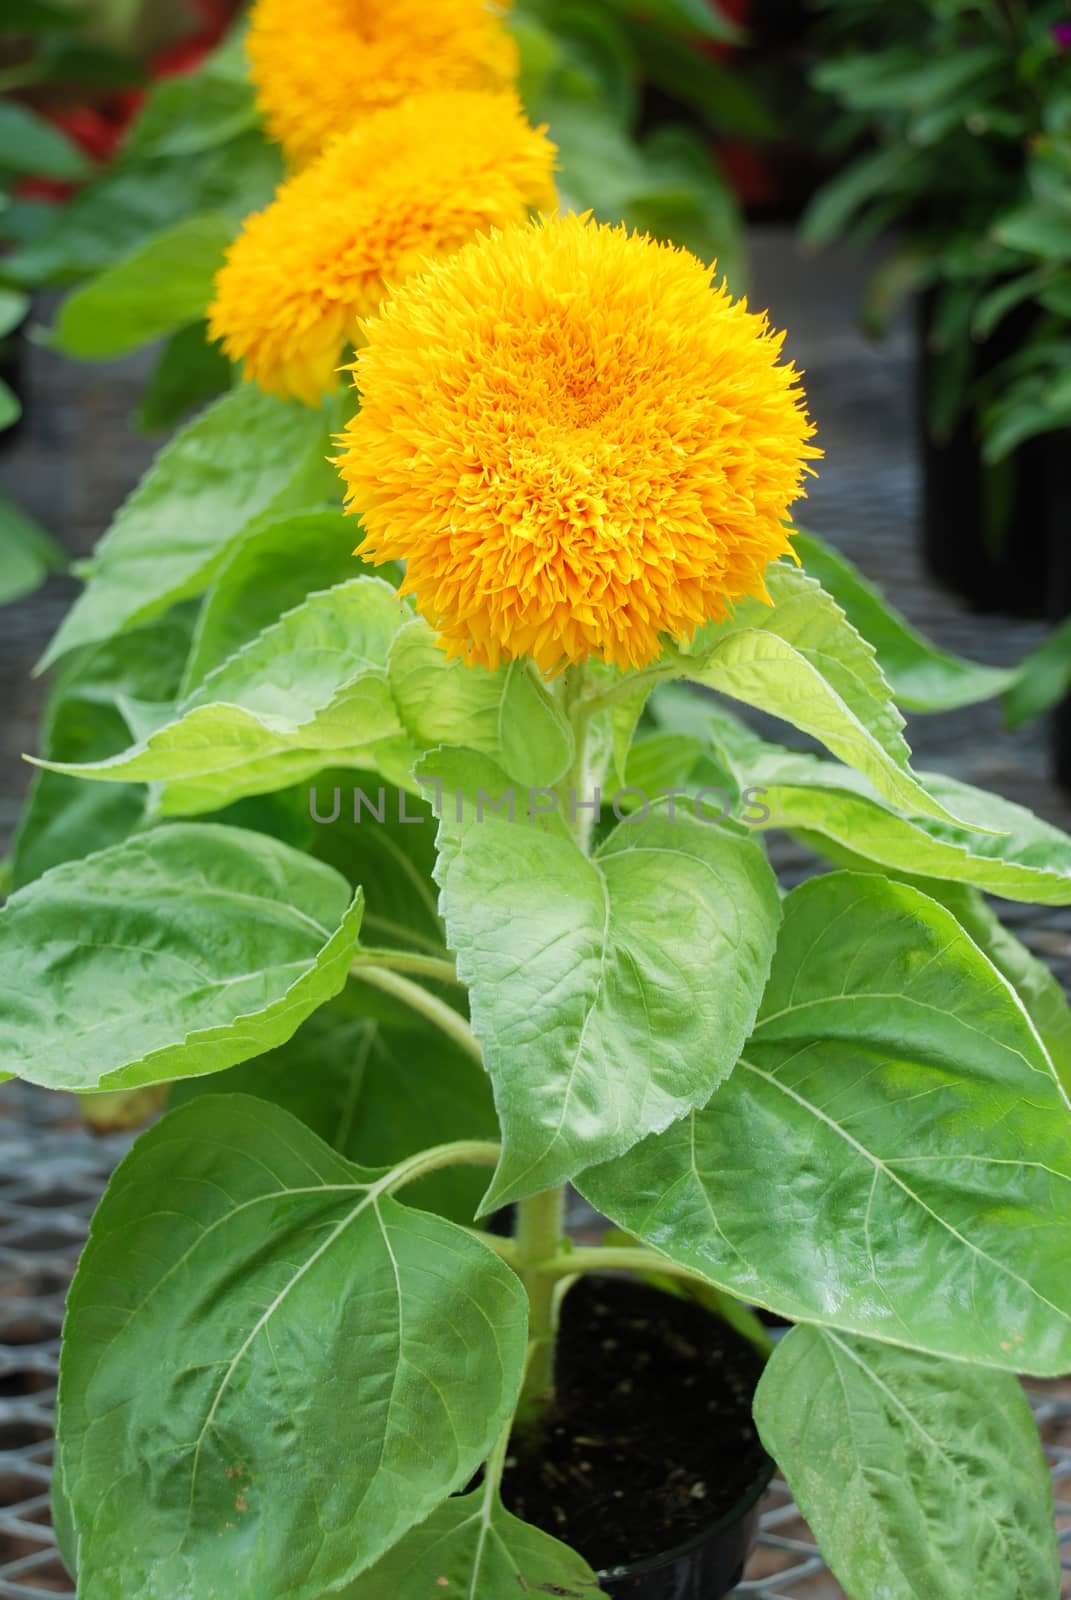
{"x":577,"y":444}
{"x":320,"y":69}
{"x":404,"y":187}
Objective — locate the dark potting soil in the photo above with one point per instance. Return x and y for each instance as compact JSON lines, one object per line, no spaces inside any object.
{"x":649,"y":1439}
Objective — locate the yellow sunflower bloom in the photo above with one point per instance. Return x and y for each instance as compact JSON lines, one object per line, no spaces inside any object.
{"x":406,"y":186}
{"x":319,"y":70}
{"x":577,"y":444}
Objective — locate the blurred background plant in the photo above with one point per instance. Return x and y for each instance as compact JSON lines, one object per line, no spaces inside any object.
{"x":73,"y":75}
{"x":951,"y":122}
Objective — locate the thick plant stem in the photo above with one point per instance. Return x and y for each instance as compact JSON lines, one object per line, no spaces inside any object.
{"x":576,"y":790}
{"x":540,"y":1226}
{"x":448,"y":1021}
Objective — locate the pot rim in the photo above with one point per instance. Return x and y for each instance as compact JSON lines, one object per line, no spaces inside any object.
{"x":736,"y":1513}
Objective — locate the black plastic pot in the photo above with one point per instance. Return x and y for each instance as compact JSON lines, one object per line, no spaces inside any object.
{"x":708,"y":1567}
{"x":984,"y":528}
{"x":647,"y":1461}
{"x":12,"y":350}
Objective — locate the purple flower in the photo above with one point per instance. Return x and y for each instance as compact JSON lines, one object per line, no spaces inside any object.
{"x":1061,"y":32}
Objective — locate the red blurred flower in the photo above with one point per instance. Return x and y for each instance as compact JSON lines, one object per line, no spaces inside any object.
{"x":99,"y":128}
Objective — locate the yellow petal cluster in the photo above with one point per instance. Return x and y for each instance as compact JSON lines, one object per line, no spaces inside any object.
{"x":404,"y":187}
{"x":577,"y":444}
{"x":320,"y":68}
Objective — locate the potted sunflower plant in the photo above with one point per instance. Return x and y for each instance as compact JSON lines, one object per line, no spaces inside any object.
{"x":428,"y":892}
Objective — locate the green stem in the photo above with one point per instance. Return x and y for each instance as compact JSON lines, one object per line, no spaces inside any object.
{"x":444,"y":1017}
{"x":540,"y":1226}
{"x":616,"y":1258}
{"x":637,"y":1258}
{"x":441,"y":968}
{"x":462,"y":1153}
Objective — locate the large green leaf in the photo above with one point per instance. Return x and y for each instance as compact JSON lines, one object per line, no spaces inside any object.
{"x":377,"y":1083}
{"x":1041,"y":993}
{"x":922,"y":677}
{"x":180,"y":951}
{"x":473,"y":1546}
{"x":382,"y":841}
{"x":509,"y":715}
{"x":272,"y":1368}
{"x":891,"y":1155}
{"x":279,"y":560}
{"x":188,"y":374}
{"x":310,"y":690}
{"x":162,"y":285}
{"x":84,"y":721}
{"x":246,"y":454}
{"x":803,"y":661}
{"x":918,"y":1477}
{"x":140,"y":194}
{"x":1020,"y":857}
{"x":610,"y":994}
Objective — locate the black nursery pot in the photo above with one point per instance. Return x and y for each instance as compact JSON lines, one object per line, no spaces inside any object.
{"x":708,"y":1567}
{"x":12,"y":352}
{"x":984,"y":529}
{"x":648,"y":1464}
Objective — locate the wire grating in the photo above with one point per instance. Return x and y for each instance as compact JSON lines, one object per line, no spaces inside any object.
{"x":51,"y":1175}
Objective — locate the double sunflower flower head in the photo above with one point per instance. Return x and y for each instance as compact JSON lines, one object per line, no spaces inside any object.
{"x":576,"y":441}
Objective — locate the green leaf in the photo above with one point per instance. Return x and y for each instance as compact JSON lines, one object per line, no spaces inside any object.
{"x":377,"y":1083}
{"x":247,"y":454}
{"x":509,"y":715}
{"x":162,"y":285}
{"x":716,"y":90}
{"x":610,"y":994}
{"x":33,"y":16}
{"x":1021,"y":858}
{"x":138,"y":195}
{"x":892,"y":1153}
{"x":999,"y":301}
{"x":1038,"y":230}
{"x":272,"y":1368}
{"x":384,"y":843}
{"x":280,"y":560}
{"x":1041,"y":993}
{"x":668,"y":185}
{"x":917,"y":1476}
{"x":10,"y":406}
{"x":206,"y":110}
{"x":189,"y":373}
{"x":31,"y":146}
{"x":84,"y":721}
{"x":803,"y":661}
{"x":27,"y":554}
{"x":310,"y":690}
{"x":1041,"y":680}
{"x":14,"y":305}
{"x":837,"y":204}
{"x":700,"y":17}
{"x":473,"y":1546}
{"x":181,"y":951}
{"x":922,"y":677}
